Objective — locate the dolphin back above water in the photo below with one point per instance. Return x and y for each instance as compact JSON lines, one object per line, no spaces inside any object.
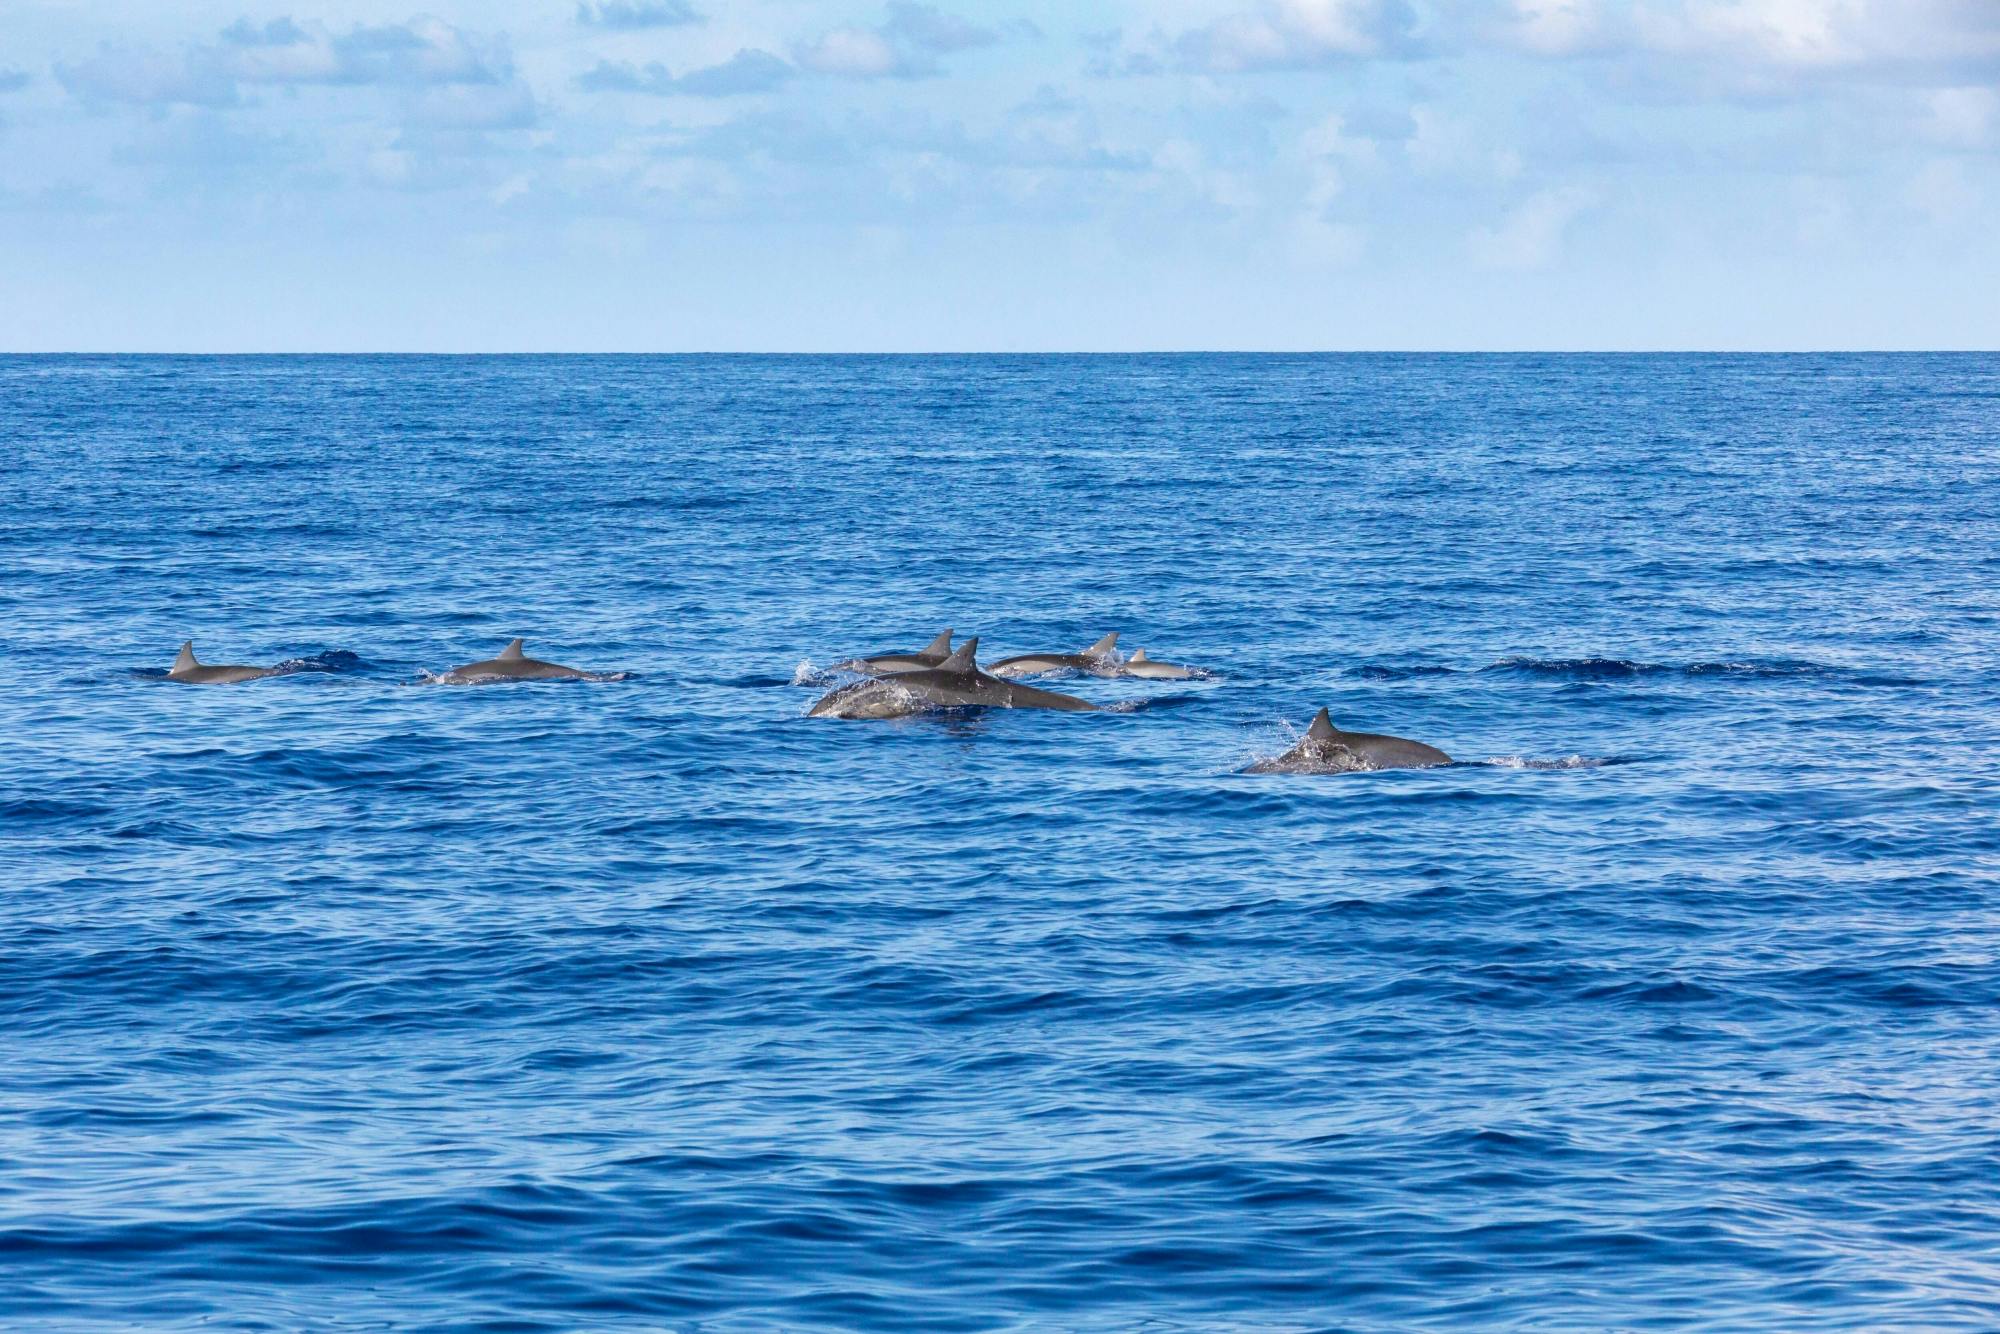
{"x":186,"y":669}
{"x":932,"y":654}
{"x":956,"y":683}
{"x":1325,"y":749}
{"x":1097,"y":660}
{"x":514,"y":665}
{"x":1145,"y":668}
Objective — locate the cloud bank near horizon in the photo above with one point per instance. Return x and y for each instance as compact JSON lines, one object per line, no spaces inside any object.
{"x":1211,"y":173}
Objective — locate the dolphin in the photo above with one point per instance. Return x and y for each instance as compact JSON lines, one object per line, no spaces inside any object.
{"x":956,"y":683}
{"x":1144,"y":667}
{"x":1097,"y":660}
{"x":1325,"y":749}
{"x":883,"y":664}
{"x":186,"y":669}
{"x":513,"y":665}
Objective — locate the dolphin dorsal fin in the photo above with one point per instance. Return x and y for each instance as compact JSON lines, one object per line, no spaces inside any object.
{"x":186,"y":659}
{"x":1322,"y":728}
{"x":512,"y":653}
{"x":1139,"y":655}
{"x":940,"y":646}
{"x":1103,"y":647}
{"x":964,"y":660}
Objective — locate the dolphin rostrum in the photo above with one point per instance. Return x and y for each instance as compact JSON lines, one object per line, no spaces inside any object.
{"x":513,"y":665}
{"x":882,"y":664}
{"x":956,"y":683}
{"x":1097,"y":660}
{"x":186,"y":669}
{"x":1325,"y":749}
{"x":1144,"y":667}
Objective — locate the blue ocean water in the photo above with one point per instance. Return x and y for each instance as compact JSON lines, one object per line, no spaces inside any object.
{"x":344,"y":1000}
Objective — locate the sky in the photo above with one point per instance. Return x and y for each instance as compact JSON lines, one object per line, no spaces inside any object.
{"x":1013,"y":175}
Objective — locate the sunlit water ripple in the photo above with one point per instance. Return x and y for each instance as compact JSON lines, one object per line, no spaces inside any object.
{"x":347,"y":1001}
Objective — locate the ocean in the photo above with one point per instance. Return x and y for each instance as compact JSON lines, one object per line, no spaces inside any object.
{"x":349,"y":1000}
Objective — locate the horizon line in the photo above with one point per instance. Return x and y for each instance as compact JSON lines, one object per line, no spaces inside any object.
{"x":1016,"y":352}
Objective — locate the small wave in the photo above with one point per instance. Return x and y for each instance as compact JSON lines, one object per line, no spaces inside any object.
{"x":335,"y":660}
{"x":805,"y":674}
{"x":1566,"y":762}
{"x":1611,"y":669}
{"x":1052,"y":674}
{"x":683,"y":503}
{"x":1577,"y":669}
{"x":32,"y":809}
{"x":1152,"y":704}
{"x":1377,"y":672}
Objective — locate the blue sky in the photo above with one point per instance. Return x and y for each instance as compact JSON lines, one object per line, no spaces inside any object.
{"x":692,"y":175}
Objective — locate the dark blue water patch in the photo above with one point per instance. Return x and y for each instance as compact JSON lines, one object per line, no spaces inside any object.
{"x":1385,"y":672}
{"x":1610,"y":669}
{"x":1157,"y":703}
{"x":27,"y":810}
{"x":333,"y":660}
{"x":330,"y":1002}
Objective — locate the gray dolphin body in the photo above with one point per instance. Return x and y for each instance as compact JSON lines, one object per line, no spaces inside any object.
{"x":186,"y":669}
{"x":513,"y":665}
{"x":1145,"y":668}
{"x":957,"y":683}
{"x":1325,"y":749}
{"x":1097,"y":660}
{"x":885,"y":664}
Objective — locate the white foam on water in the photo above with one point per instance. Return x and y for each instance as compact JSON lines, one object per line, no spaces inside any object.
{"x":1566,"y":762}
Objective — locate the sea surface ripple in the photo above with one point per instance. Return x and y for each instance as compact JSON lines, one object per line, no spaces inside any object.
{"x":340,"y":1000}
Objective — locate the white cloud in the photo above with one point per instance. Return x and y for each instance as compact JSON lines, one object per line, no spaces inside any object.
{"x":632,"y":15}
{"x":1889,"y":38}
{"x":419,"y":52}
{"x":1532,"y":235}
{"x":856,"y":53}
{"x":1325,"y":151}
{"x":1293,"y":34}
{"x":1757,"y":46}
{"x":424,"y":52}
{"x":906,"y":45}
{"x":1554,"y":27}
{"x":748,"y":71}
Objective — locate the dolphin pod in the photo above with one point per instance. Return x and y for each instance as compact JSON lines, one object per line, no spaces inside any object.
{"x":1100,"y":659}
{"x":897,"y":685}
{"x":511,"y":665}
{"x":1097,"y":660}
{"x":955,"y":683}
